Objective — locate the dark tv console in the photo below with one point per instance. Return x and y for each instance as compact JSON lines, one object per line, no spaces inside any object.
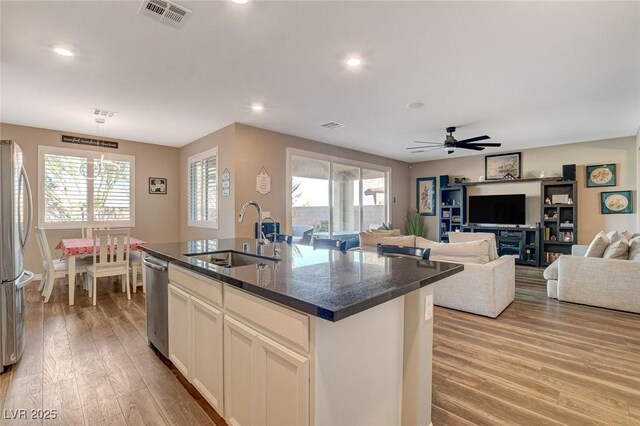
{"x":521,"y":242}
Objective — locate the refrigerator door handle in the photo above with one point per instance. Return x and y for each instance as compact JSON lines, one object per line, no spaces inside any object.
{"x":25,"y":279}
{"x":25,"y":238}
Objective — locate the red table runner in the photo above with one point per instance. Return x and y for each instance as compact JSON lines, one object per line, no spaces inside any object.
{"x":75,"y":246}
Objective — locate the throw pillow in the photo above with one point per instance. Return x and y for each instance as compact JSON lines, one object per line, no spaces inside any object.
{"x":598,"y":245}
{"x":467,"y":252}
{"x":634,"y":249}
{"x":369,"y":239}
{"x":461,"y":237}
{"x":618,"y":247}
{"x":629,"y":235}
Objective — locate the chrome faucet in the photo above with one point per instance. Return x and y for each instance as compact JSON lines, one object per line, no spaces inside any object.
{"x":261,"y":239}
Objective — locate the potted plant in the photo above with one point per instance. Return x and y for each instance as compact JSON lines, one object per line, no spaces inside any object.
{"x":415,"y":224}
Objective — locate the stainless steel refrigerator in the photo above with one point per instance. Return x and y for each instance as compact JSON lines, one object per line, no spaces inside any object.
{"x":16,"y":214}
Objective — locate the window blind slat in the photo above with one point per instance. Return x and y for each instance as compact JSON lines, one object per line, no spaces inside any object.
{"x":67,"y":183}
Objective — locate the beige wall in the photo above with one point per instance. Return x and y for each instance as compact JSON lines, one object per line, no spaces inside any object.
{"x":637,"y":194}
{"x":257,"y":148}
{"x":621,"y":151}
{"x":156,"y":215}
{"x":224,"y":139}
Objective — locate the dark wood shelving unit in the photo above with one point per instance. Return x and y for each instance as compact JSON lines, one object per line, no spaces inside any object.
{"x":518,"y":241}
{"x":529,"y":245}
{"x":560,"y":226}
{"x":451,"y":211}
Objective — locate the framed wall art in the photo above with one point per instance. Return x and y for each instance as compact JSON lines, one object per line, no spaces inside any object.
{"x":426,"y":196}
{"x":615,"y":202}
{"x":158,"y":185}
{"x":497,"y":166}
{"x":601,"y":175}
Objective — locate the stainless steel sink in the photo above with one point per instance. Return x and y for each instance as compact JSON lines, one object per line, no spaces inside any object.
{"x":231,"y":259}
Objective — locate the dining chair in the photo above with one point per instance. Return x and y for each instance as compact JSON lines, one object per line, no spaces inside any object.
{"x":53,"y":268}
{"x":400,"y":251}
{"x":329,"y":243}
{"x":135,"y":262}
{"x":87,"y":231}
{"x":280,"y":238}
{"x":115,"y":242}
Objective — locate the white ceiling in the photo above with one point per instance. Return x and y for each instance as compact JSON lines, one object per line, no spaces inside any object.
{"x":527,"y":73}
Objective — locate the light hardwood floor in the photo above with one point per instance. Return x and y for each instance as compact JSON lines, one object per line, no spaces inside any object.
{"x":541,"y":362}
{"x":93,"y":366}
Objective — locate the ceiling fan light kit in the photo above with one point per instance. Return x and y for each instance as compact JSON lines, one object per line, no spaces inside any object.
{"x":450,"y":143}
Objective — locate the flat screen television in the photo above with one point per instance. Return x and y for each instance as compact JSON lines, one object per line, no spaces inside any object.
{"x":497,"y":209}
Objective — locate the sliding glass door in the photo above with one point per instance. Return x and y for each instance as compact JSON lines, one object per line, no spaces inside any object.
{"x":309,"y":197}
{"x":335,"y":198}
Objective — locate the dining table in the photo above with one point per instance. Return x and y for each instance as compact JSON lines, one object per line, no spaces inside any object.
{"x":74,"y":247}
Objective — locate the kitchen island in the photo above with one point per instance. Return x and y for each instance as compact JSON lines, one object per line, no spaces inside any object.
{"x":307,"y":336}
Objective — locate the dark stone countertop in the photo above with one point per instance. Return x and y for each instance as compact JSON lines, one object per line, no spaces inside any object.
{"x":328,"y":284}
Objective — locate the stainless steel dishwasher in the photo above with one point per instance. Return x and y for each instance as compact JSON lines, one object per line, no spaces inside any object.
{"x":157,"y":276}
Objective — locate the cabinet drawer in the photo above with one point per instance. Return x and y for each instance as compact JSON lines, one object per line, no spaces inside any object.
{"x":207,"y":289}
{"x":276,"y":321}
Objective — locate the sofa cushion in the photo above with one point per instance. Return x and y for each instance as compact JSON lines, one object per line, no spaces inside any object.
{"x":618,"y":247}
{"x":634,"y":249}
{"x":598,"y":245}
{"x":468,"y":252}
{"x":461,"y":237}
{"x":551,"y":273}
{"x":630,"y":235}
{"x":369,"y":239}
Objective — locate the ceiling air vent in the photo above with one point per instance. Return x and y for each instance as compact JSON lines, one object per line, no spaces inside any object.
{"x":99,"y":112}
{"x":165,"y":11}
{"x":332,"y":125}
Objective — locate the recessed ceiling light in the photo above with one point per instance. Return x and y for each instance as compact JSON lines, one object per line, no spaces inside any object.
{"x":353,"y":62}
{"x":416,"y":105}
{"x":240,"y":1}
{"x":64,"y":51}
{"x":257,"y":107}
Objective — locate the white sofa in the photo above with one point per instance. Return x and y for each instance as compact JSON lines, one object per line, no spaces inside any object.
{"x":606,"y":283}
{"x":482,"y":288}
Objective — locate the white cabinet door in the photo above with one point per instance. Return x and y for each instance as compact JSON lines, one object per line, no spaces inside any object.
{"x":206,"y":346}
{"x":282,"y":385}
{"x":179,"y":339}
{"x":239,"y":373}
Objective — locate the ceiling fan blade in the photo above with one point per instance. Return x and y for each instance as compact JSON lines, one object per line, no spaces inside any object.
{"x":425,"y":149}
{"x":485,"y":144}
{"x":477,"y":138}
{"x":471,"y":147}
{"x":432,"y":143}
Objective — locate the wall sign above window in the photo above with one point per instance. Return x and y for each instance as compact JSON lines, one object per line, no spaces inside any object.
{"x":89,"y":141}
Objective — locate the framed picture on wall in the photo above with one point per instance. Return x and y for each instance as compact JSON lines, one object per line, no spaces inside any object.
{"x":601,"y":175}
{"x":426,"y":196}
{"x":158,"y":185}
{"x":497,"y":166}
{"x":615,"y":202}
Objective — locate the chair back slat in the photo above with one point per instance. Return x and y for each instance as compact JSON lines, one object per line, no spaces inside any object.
{"x":329,"y":243}
{"x":401,"y":251}
{"x":87,"y":231}
{"x":111,"y":246}
{"x":43,"y":245}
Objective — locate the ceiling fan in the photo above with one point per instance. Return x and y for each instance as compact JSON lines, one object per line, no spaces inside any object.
{"x":451,"y":144}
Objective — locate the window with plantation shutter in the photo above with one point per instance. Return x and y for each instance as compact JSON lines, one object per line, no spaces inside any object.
{"x":81,"y":188}
{"x":203,"y":189}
